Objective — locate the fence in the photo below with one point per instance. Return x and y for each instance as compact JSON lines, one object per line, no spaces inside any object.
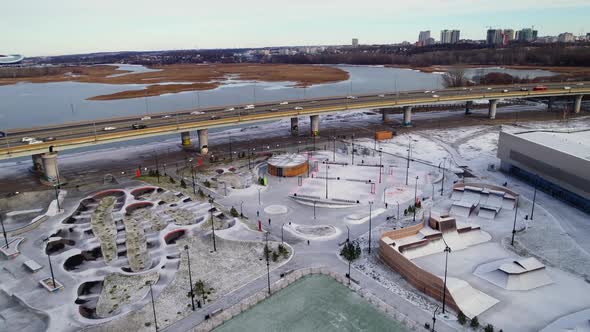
{"x":223,"y":316}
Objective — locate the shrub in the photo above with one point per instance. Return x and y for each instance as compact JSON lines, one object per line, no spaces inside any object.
{"x":461,"y":318}
{"x":171,"y":179}
{"x":182,"y":184}
{"x":234,"y":212}
{"x":207,"y":184}
{"x":405,"y":212}
{"x":275,"y":257}
{"x":474,"y":322}
{"x":201,"y":193}
{"x":489,"y":328}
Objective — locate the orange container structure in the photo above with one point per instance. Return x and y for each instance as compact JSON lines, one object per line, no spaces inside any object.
{"x":287,"y":165}
{"x":383,"y":134}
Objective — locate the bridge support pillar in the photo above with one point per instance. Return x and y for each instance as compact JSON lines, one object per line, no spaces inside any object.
{"x":295,"y":126}
{"x":387,"y":116}
{"x":492,"y":110}
{"x":468,"y":106}
{"x":203,"y":140}
{"x":50,"y":169}
{"x":315,"y":125}
{"x":185,"y":138}
{"x":37,"y":163}
{"x":407,"y":116}
{"x":578,"y":104}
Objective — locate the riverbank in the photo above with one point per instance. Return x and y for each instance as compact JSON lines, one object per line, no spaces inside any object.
{"x":183,"y":77}
{"x":571,"y":72}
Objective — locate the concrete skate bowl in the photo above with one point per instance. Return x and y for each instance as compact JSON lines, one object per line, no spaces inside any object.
{"x":87,"y":205}
{"x":56,"y":247}
{"x":15,"y":315}
{"x":316,"y":232}
{"x":87,"y":299}
{"x":460,"y":297}
{"x":172,"y":237}
{"x":138,"y":205}
{"x":143,"y":192}
{"x":85,"y":260}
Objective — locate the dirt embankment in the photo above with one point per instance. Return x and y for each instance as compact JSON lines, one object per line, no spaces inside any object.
{"x":192,"y":76}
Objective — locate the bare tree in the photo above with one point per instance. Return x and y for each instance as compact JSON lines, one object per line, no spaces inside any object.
{"x":454,"y":78}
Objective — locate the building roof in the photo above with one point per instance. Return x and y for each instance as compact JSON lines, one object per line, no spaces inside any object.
{"x":575,"y":143}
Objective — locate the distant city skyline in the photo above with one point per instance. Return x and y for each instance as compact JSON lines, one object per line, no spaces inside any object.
{"x":70,"y":26}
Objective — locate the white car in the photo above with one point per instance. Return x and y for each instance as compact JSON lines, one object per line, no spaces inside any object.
{"x":435,"y":96}
{"x":146,"y":118}
{"x":433,"y":91}
{"x":427,"y":91}
{"x":284,"y":103}
{"x":580,"y":83}
{"x":249,"y":107}
{"x":381,"y":96}
{"x":197,"y":113}
{"x":27,"y":139}
{"x":109,"y":128}
{"x":298,"y":108}
{"x":504,"y":91}
{"x":567,"y":88}
{"x":35,"y":141}
{"x":166,"y":116}
{"x":230,"y":109}
{"x":351,"y":97}
{"x":489,"y":88}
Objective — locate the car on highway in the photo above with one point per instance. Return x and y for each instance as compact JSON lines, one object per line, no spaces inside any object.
{"x":27,"y":139}
{"x":351,"y":97}
{"x":249,"y":107}
{"x":35,"y":141}
{"x":166,"y":116}
{"x":540,"y":88}
{"x":274,"y":109}
{"x":435,"y":96}
{"x":49,"y":139}
{"x":524,"y":89}
{"x":214,"y":117}
{"x":504,"y":91}
{"x":197,"y":113}
{"x":284,"y":103}
{"x":109,"y":128}
{"x":138,"y":126}
{"x":381,"y":96}
{"x":146,"y":118}
{"x":298,"y":108}
{"x":580,"y":84}
{"x":489,"y":88}
{"x":2,"y":134}
{"x":427,"y":91}
{"x":230,"y":109}
{"x":567,"y":88}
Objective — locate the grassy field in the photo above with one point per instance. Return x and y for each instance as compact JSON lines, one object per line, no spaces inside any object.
{"x":203,"y":77}
{"x":313,"y":303}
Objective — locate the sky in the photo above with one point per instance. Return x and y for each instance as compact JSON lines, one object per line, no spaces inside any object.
{"x":42,"y":27}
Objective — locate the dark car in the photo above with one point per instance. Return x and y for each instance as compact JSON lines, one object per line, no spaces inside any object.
{"x":138,"y":126}
{"x":2,"y":134}
{"x":49,"y":139}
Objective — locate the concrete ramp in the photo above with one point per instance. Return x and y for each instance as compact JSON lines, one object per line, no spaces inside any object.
{"x":471,"y":301}
{"x":454,"y":240}
{"x":516,"y":275}
{"x":457,"y":194}
{"x":461,"y":209}
{"x":495,"y":200}
{"x":488,"y":212}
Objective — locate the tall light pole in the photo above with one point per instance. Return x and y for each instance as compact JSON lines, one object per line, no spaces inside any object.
{"x":434,"y":319}
{"x":442,"y":184}
{"x":314,"y":203}
{"x":397,"y":209}
{"x":190,"y":278}
{"x":370,"y":217}
{"x":327,"y":167}
{"x":380,"y":163}
{"x":153,"y":305}
{"x":282,"y":239}
{"x":415,"y":198}
{"x":334,"y":151}
{"x":4,"y":231}
{"x":51,"y":270}
{"x":514,"y":225}
{"x":259,"y":194}
{"x":534,"y":197}
{"x":212,"y":224}
{"x":408,"y":163}
{"x":267,"y":253}
{"x":242,"y":209}
{"x":447,"y":251}
{"x":352,"y":152}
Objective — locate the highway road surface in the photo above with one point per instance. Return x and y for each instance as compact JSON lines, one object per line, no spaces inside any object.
{"x":28,"y":141}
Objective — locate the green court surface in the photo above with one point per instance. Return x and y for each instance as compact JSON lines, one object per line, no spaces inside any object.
{"x":313,"y":303}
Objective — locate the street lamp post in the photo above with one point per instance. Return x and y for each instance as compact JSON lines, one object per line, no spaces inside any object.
{"x":514,"y":225}
{"x":282,"y":239}
{"x":434,"y":318}
{"x":447,"y":251}
{"x":370,"y":217}
{"x":408,"y":162}
{"x":190,"y":278}
{"x":380,"y":163}
{"x":327,"y":167}
{"x":397,"y":209}
{"x":534,"y":199}
{"x":259,"y":195}
{"x":193,"y":175}
{"x":4,"y":231}
{"x":415,"y":198}
{"x":51,"y":270}
{"x":213,"y":224}
{"x":352,"y":152}
{"x":314,"y":203}
{"x":242,"y":209}
{"x":267,"y":253}
{"x":442,"y":184}
{"x":153,"y":306}
{"x":157,"y":166}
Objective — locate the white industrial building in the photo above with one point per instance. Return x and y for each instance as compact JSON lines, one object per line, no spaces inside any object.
{"x":556,"y":162}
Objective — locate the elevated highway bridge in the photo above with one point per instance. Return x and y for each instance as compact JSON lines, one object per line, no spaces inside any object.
{"x":43,"y":143}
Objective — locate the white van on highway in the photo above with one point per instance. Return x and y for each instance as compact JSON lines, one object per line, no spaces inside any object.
{"x":27,"y":139}
{"x":146,"y":118}
{"x":284,"y":103}
{"x":249,"y":107}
